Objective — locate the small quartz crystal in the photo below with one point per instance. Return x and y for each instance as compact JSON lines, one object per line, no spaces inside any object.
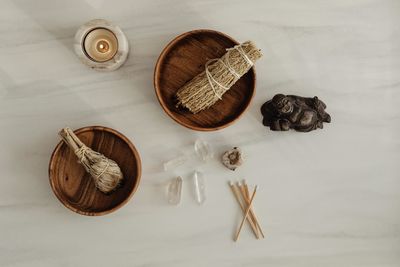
{"x":199,"y":187}
{"x":175,"y":191}
{"x":203,"y":150}
{"x":175,"y":162}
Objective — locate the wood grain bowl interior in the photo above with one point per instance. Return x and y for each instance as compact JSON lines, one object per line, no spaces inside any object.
{"x":75,"y":188}
{"x":184,"y":58}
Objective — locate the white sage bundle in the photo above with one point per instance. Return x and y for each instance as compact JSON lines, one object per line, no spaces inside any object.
{"x":105,"y":172}
{"x":219,"y":76}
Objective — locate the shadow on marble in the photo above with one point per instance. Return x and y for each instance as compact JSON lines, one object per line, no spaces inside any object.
{"x":60,"y":27}
{"x":35,"y":125}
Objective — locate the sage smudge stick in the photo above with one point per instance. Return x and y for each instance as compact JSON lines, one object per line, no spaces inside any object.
{"x":219,"y":76}
{"x":105,"y":172}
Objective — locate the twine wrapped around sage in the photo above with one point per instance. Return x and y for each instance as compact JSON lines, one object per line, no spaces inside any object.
{"x":105,"y":172}
{"x":219,"y":76}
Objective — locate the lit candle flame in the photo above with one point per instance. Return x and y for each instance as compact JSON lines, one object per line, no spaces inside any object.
{"x":101,"y":45}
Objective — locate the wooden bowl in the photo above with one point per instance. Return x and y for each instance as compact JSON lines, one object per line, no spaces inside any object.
{"x":75,"y":188}
{"x":184,"y":58}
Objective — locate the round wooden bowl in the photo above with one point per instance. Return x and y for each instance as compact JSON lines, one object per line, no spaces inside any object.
{"x":75,"y":188}
{"x":184,"y":58}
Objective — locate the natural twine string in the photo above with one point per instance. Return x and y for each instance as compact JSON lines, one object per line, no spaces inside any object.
{"x":105,"y":172}
{"x":218,"y":77}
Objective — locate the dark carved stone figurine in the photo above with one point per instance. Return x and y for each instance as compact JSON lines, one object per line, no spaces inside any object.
{"x":302,"y":114}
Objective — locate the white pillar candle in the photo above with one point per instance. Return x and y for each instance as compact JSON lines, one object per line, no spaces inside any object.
{"x":101,"y":45}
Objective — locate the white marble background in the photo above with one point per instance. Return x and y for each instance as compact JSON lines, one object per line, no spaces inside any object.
{"x":327,"y":198}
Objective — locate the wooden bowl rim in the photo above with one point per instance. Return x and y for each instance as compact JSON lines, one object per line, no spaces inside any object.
{"x":131,"y":147}
{"x":164,"y":106}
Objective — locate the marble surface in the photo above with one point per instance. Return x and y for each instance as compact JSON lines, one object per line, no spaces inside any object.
{"x":327,"y":198}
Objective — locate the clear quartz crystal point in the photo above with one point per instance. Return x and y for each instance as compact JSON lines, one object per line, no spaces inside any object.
{"x":199,"y":187}
{"x":175,"y":191}
{"x":175,"y":162}
{"x":203,"y":150}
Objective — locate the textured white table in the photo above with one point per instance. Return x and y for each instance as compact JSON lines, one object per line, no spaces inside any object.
{"x":327,"y":198}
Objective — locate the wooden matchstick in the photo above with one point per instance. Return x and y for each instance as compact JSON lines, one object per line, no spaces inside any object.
{"x":246,"y":188}
{"x":251,"y":211}
{"x":242,"y":206}
{"x":246,"y":214}
{"x":246,"y":198}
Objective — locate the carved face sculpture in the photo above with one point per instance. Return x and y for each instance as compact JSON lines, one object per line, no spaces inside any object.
{"x":282,"y":104}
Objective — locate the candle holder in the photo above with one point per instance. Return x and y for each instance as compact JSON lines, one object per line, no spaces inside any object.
{"x":101,"y":45}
